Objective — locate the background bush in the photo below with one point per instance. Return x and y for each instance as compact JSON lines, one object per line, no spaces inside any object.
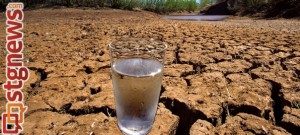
{"x":284,"y":8}
{"x":160,"y":6}
{"x":247,"y":6}
{"x":170,"y":5}
{"x":270,"y":8}
{"x":206,"y":3}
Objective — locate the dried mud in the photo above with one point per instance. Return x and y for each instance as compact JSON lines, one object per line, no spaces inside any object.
{"x":238,"y":76}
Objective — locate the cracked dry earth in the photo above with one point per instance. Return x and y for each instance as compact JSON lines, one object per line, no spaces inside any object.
{"x":238,"y":76}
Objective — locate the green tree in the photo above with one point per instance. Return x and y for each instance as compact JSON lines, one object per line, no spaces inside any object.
{"x":205,"y":3}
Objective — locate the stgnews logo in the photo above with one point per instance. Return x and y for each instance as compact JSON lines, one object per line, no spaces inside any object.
{"x":16,"y":73}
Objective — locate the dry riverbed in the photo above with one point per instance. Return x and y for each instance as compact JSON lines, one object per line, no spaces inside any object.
{"x":238,"y":76}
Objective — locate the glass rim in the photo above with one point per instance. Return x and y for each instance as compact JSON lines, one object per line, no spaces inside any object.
{"x":111,"y":47}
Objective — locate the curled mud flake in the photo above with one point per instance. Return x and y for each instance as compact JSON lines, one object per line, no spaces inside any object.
{"x":101,"y":53}
{"x":121,"y":76}
{"x":95,"y":90}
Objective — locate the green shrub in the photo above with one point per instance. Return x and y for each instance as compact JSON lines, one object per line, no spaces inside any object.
{"x":151,"y":5}
{"x":130,"y":4}
{"x":205,"y":3}
{"x":170,"y":5}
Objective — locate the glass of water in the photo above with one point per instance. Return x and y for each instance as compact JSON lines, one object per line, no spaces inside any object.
{"x":137,"y":71}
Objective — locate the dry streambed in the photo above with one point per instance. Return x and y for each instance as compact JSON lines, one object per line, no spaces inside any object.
{"x":231,"y":77}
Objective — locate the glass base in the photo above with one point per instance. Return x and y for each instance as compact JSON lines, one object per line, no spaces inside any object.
{"x":133,"y":127}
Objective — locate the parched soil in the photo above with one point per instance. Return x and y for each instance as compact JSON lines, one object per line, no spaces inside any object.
{"x":238,"y":76}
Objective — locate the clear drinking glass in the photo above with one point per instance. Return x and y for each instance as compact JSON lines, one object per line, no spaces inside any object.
{"x":137,"y":71}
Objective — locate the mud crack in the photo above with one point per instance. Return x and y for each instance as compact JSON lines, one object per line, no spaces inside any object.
{"x":277,"y":98}
{"x":187,"y":116}
{"x":92,"y":110}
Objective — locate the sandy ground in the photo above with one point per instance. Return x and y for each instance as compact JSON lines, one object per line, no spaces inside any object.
{"x":238,"y":76}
